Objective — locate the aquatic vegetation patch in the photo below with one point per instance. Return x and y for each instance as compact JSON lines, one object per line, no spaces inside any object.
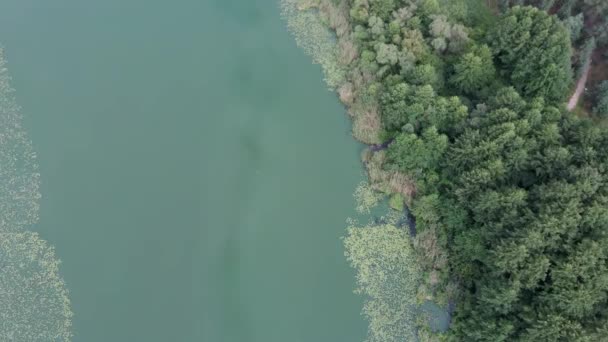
{"x":34,"y":304}
{"x":314,"y":37}
{"x":19,"y":188}
{"x":366,"y":198}
{"x":387,"y":274}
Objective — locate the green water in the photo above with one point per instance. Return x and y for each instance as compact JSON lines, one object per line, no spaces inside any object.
{"x":196,"y":175}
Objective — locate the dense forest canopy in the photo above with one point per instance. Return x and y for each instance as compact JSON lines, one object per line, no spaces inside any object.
{"x":509,"y":190}
{"x":587,"y":23}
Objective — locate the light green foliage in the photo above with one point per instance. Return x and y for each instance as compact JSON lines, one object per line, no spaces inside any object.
{"x":33,"y":297}
{"x":424,"y":74}
{"x":315,"y":38}
{"x":474,"y":71}
{"x":440,"y":27}
{"x":376,"y":27}
{"x":359,"y":12}
{"x":387,"y":54}
{"x":396,"y":201}
{"x":382,"y":8}
{"x":404,"y":14}
{"x":439,"y":44}
{"x":446,"y":34}
{"x":366,"y":198}
{"x":413,"y":42}
{"x":426,"y":211}
{"x":533,"y":51}
{"x":427,"y":8}
{"x":459,"y":38}
{"x":367,"y":61}
{"x":388,"y":276}
{"x":447,"y":114}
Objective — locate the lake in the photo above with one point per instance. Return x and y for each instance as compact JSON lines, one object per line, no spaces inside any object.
{"x":196,"y":172}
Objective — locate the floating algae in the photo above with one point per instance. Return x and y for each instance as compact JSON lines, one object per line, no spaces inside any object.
{"x":34,"y":304}
{"x":19,"y":178}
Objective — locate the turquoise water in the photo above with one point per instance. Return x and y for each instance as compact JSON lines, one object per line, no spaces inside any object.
{"x":196,"y":175}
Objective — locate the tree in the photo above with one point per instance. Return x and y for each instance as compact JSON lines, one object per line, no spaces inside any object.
{"x":574,"y":25}
{"x":395,"y":106}
{"x":387,"y":54}
{"x":424,"y":74}
{"x":415,"y":155}
{"x":598,"y":6}
{"x":359,"y":11}
{"x":566,"y":7}
{"x":474,"y":70}
{"x":382,"y":8}
{"x":532,"y":49}
{"x":546,"y":4}
{"x":448,"y":115}
{"x":413,"y":42}
{"x":601,"y":100}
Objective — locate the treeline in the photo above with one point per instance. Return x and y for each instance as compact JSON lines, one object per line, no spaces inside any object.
{"x":509,"y":190}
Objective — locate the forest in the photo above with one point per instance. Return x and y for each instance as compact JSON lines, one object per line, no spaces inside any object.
{"x":464,"y":105}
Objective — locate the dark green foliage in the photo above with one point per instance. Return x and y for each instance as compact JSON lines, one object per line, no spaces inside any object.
{"x":574,"y":25}
{"x":424,"y":74}
{"x":601,"y":106}
{"x":533,"y":52}
{"x":423,"y":152}
{"x":530,"y":254}
{"x":582,"y":18}
{"x":473,"y":71}
{"x":566,"y":7}
{"x":396,"y":106}
{"x":546,"y":4}
{"x":509,"y":185}
{"x":598,"y":6}
{"x":503,"y":5}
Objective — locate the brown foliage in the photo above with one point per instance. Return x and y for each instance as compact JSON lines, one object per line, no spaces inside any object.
{"x":366,"y":124}
{"x":403,"y":184}
{"x":387,"y":181}
{"x":432,"y":256}
{"x":346,"y":93}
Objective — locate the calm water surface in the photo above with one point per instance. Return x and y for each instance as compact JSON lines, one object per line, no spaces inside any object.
{"x":196,"y":173}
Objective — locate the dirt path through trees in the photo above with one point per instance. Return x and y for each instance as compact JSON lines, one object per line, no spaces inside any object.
{"x":580,"y":86}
